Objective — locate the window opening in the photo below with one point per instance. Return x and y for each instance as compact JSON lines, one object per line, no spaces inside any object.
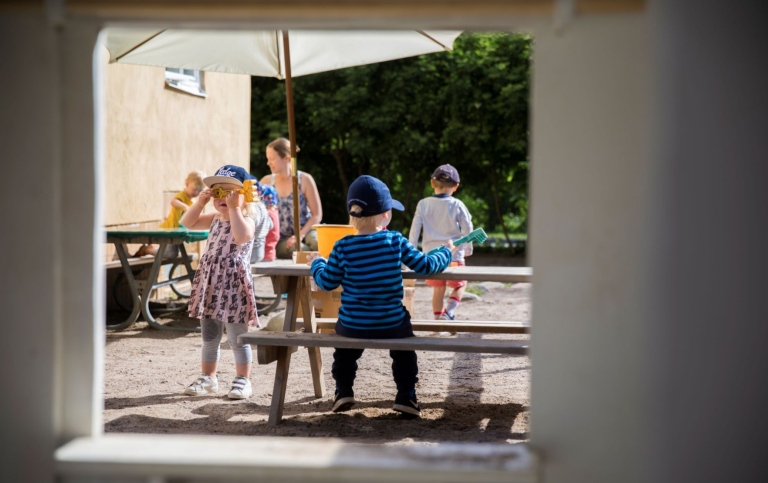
{"x":187,"y":80}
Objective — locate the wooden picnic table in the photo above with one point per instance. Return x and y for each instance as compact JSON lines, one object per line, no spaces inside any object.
{"x":473,"y":273}
{"x":295,"y":280}
{"x":141,"y":289}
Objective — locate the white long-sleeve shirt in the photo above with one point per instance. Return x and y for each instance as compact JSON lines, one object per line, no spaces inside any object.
{"x":441,"y":218}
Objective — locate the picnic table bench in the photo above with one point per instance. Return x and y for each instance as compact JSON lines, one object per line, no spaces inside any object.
{"x":294,"y":279}
{"x":315,"y":339}
{"x":141,"y":289}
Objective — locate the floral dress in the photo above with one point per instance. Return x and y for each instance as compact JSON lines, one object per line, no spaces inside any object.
{"x":222,"y":288}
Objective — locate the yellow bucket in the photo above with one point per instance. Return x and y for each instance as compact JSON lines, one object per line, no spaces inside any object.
{"x":328,"y":235}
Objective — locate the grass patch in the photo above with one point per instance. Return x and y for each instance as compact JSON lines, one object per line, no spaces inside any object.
{"x":474,"y":289}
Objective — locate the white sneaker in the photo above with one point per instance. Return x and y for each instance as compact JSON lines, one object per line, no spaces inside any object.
{"x":241,"y":388}
{"x":446,"y":316}
{"x":204,"y":384}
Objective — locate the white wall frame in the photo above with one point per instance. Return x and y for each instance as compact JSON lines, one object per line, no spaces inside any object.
{"x":707,"y":122}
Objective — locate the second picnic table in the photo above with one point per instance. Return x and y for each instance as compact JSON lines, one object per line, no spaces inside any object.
{"x":141,"y":290}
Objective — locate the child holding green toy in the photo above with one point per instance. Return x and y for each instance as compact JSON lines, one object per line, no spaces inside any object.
{"x":438,"y":219}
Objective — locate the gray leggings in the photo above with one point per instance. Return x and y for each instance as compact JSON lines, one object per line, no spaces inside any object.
{"x":212,"y":329}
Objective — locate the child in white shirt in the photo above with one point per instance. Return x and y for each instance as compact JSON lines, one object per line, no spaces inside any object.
{"x":438,"y":219}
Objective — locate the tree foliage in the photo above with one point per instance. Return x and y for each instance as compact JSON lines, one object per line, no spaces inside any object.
{"x":401,"y":119}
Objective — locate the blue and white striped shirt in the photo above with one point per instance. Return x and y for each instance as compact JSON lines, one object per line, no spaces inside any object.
{"x":368,"y":269}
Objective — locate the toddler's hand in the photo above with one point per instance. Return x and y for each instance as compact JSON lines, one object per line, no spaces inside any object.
{"x":205,"y":197}
{"x":234,"y":200}
{"x":451,"y":247}
{"x":311,"y":257}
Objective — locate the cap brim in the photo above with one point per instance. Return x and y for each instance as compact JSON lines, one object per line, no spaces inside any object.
{"x":396,"y":205}
{"x":212,"y":180}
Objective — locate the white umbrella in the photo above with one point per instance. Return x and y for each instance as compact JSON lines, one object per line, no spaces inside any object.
{"x":272,"y":53}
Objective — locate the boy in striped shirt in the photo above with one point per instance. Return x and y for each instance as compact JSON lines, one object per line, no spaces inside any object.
{"x":368,"y":267}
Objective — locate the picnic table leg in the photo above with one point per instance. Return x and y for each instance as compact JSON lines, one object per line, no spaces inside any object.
{"x":147,"y":287}
{"x":123,"y":256}
{"x":187,"y":261}
{"x":310,"y":325}
{"x":284,"y":354}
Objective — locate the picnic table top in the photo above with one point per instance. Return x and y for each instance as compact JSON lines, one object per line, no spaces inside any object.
{"x":473,"y":273}
{"x":182,"y":234}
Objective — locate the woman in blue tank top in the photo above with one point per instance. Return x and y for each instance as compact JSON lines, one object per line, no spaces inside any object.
{"x":310,"y":208}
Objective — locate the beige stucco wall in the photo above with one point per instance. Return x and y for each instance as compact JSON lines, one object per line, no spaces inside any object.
{"x":155,"y":135}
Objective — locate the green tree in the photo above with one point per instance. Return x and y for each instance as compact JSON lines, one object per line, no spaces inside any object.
{"x":399,"y":120}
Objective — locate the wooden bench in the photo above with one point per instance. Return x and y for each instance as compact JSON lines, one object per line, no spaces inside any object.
{"x":267,"y":354}
{"x":429,"y":343}
{"x":148,"y":260}
{"x":132,"y":261}
{"x":279,"y":346}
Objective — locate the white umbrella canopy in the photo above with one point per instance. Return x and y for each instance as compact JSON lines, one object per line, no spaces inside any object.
{"x":262,"y":52}
{"x":272,"y":53}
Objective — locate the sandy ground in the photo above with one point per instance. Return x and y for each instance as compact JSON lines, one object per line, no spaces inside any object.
{"x":464,"y":397}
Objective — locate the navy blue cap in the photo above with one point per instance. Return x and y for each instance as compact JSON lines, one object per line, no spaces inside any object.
{"x":229,"y":173}
{"x":446,"y":172}
{"x":372,"y":195}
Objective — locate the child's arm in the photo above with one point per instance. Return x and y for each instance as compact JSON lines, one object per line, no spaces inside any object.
{"x":193,"y":218}
{"x":243,"y":227}
{"x":438,"y":260}
{"x":177,"y":203}
{"x":416,"y":225}
{"x":327,"y":273}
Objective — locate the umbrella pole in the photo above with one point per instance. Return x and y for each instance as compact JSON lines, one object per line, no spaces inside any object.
{"x":292,"y":139}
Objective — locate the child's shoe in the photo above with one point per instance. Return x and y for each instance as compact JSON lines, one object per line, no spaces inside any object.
{"x":204,"y":384}
{"x":241,"y":388}
{"x":345,"y":399}
{"x":407,"y":404}
{"x":446,"y":316}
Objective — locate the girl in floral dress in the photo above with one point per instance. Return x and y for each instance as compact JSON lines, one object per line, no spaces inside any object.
{"x":222,"y":290}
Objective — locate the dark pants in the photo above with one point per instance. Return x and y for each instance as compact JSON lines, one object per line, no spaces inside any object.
{"x":404,"y":364}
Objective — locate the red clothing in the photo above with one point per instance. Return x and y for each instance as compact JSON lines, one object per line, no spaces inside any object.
{"x":273,"y":236}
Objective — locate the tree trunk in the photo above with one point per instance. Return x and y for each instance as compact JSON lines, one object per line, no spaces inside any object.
{"x":338,"y":155}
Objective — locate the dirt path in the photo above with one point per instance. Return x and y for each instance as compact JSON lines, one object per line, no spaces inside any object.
{"x":464,"y":397}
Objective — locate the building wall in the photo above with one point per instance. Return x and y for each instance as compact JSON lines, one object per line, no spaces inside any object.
{"x":155,"y":135}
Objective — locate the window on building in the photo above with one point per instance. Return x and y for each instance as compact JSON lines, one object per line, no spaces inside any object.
{"x":187,"y":80}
